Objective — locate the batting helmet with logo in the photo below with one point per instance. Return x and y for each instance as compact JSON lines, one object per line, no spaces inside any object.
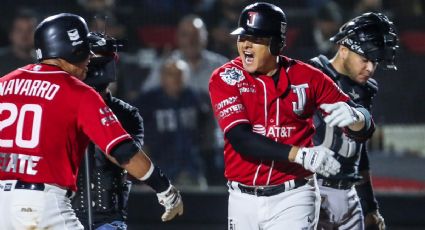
{"x":264,"y":20}
{"x":371,"y":35}
{"x":62,"y":36}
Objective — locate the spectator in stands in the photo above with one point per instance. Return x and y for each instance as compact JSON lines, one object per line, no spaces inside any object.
{"x":172,"y":10}
{"x":20,"y":52}
{"x":191,"y":40}
{"x":175,"y":116}
{"x":120,"y":18}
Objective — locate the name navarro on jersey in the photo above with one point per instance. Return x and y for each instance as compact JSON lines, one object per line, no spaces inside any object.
{"x":19,"y":163}
{"x":28,"y":87}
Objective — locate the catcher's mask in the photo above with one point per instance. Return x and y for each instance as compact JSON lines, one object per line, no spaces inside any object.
{"x":371,"y":35}
{"x":102,"y":66}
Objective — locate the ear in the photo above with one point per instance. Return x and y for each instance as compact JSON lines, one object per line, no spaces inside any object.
{"x":343,"y":51}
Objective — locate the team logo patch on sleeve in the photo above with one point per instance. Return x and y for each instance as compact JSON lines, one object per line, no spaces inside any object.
{"x":107,"y":116}
{"x":232,"y":76}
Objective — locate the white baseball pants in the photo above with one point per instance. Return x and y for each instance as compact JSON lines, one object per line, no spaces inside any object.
{"x":294,"y":209}
{"x":33,"y":209}
{"x":340,"y":209}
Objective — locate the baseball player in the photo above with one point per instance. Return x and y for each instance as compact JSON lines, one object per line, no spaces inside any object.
{"x":363,"y":42}
{"x":109,"y":188}
{"x":48,"y":115}
{"x":264,"y":103}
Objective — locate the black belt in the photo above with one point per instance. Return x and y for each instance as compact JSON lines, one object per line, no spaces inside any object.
{"x":36,"y":186}
{"x":338,"y":184}
{"x":270,"y":190}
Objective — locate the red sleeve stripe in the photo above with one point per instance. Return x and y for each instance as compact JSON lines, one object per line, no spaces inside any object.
{"x":114,"y":141}
{"x":234,"y":123}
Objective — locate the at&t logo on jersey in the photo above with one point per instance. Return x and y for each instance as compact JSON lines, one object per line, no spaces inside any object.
{"x":232,"y":76}
{"x":273,"y":131}
{"x":259,"y":129}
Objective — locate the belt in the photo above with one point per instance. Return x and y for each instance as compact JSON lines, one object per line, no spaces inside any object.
{"x":38,"y":187}
{"x":337,"y":184}
{"x":272,"y":189}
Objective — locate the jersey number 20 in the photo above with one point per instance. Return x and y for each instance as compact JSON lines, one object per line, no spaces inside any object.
{"x":18,"y":115}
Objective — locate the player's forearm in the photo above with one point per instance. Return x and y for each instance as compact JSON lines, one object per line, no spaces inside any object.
{"x":142,"y":168}
{"x":357,"y":126}
{"x":293,"y":153}
{"x":138,"y":165}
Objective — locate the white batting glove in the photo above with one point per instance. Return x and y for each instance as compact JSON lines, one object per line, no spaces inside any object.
{"x":172,"y":201}
{"x":341,"y":114}
{"x":318,"y":159}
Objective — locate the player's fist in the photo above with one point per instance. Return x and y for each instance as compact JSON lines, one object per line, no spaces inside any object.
{"x":374,"y":220}
{"x":341,"y":114}
{"x":318,"y":159}
{"x":172,"y":201}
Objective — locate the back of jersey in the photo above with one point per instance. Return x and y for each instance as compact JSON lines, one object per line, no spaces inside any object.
{"x":46,"y":116}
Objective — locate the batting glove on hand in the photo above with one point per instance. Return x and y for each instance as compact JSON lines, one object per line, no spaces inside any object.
{"x":374,"y":220}
{"x":318,"y":159}
{"x":172,"y":201}
{"x":341,"y":114}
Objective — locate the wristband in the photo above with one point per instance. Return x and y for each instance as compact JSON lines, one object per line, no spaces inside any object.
{"x":148,"y":173}
{"x":156,"y":179}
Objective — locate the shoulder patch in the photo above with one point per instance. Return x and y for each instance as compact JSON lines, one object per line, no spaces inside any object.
{"x":232,"y":75}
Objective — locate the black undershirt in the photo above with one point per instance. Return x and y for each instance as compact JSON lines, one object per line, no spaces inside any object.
{"x":248,"y":143}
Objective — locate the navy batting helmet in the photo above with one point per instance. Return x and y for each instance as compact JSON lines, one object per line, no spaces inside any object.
{"x":102,"y":67}
{"x":371,"y":35}
{"x":264,"y":20}
{"x":62,"y":36}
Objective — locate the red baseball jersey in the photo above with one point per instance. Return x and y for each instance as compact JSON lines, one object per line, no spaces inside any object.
{"x":46,"y":120}
{"x":282,"y":112}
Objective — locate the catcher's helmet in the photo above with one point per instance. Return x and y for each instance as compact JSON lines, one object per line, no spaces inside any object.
{"x":62,"y":36}
{"x":102,"y":66}
{"x":264,"y":20}
{"x":371,"y":35}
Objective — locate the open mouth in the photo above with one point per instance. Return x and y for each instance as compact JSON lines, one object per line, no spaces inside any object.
{"x":249,"y":57}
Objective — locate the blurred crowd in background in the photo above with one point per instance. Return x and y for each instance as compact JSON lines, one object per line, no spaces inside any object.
{"x":174,"y":45}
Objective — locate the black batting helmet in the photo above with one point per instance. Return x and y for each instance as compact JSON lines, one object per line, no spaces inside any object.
{"x":264,"y":20}
{"x":102,"y":66}
{"x":62,"y":36}
{"x":371,"y":35}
